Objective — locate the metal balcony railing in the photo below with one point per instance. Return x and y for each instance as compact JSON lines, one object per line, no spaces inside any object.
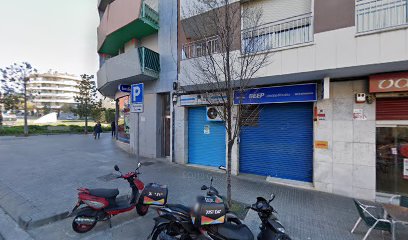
{"x":149,"y":15}
{"x":283,"y":33}
{"x":149,"y":60}
{"x":200,"y":48}
{"x":372,"y":15}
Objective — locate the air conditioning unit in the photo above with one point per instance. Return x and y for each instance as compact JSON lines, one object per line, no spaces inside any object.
{"x":213,"y":114}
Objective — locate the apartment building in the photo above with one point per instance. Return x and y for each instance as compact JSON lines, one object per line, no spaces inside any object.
{"x":333,"y":98}
{"x":56,"y":89}
{"x":137,"y":43}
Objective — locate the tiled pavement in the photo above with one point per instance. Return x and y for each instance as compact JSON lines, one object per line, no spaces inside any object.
{"x":46,"y":170}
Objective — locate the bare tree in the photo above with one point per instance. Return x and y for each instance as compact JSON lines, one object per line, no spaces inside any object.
{"x":223,"y":61}
{"x":15,"y":79}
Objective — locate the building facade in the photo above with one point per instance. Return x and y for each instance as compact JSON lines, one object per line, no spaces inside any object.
{"x":137,"y":43}
{"x":333,"y":99}
{"x":55,"y":90}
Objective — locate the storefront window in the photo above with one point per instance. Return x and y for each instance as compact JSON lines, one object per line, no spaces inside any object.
{"x":392,"y":160}
{"x":123,"y":121}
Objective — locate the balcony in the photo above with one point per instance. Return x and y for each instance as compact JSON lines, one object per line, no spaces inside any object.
{"x":137,"y":65}
{"x":123,"y":21}
{"x":378,"y":15}
{"x":277,"y":35}
{"x":200,"y":48}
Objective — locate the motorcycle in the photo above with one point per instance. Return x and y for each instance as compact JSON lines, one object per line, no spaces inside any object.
{"x":271,"y":228}
{"x":102,"y":204}
{"x":175,"y":221}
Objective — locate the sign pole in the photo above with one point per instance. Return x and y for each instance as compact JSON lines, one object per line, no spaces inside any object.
{"x":138,"y":137}
{"x":136,"y":92}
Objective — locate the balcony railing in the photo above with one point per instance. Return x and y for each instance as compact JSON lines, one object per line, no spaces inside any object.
{"x":372,"y":15}
{"x":149,"y":15}
{"x":200,"y":48}
{"x":280,"y":34}
{"x":149,"y":61}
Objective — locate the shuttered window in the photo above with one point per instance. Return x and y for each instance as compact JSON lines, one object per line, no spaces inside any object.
{"x":276,"y":10}
{"x":392,"y":109}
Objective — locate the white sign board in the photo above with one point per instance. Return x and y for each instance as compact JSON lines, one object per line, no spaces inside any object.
{"x":405,"y":168}
{"x":358,"y":114}
{"x":136,"y":107}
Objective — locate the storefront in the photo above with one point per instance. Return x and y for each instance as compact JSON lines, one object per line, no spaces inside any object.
{"x":206,"y":136}
{"x":123,"y":130}
{"x":391,"y":91}
{"x":278,"y":139}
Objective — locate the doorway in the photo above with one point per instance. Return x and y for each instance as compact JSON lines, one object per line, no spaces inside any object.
{"x":166,"y":123}
{"x":392,"y":159}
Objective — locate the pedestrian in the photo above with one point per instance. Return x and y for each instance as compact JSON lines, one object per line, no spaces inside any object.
{"x":97,"y":130}
{"x":113,"y":127}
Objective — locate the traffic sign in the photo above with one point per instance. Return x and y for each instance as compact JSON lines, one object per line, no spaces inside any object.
{"x":124,"y":88}
{"x":137,"y":93}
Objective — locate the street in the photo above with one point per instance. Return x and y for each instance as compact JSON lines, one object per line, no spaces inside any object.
{"x":41,"y":174}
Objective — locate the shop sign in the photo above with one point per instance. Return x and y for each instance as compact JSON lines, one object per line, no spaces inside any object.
{"x":322,"y":144}
{"x":321,"y":115}
{"x":124,"y":88}
{"x":278,"y":94}
{"x":406,"y":168}
{"x":391,"y":82}
{"x":200,"y":99}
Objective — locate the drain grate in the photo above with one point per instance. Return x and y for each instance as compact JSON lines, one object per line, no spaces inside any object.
{"x":107,"y":177}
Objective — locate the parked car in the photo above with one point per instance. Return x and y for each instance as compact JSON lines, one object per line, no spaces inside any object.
{"x":9,"y":117}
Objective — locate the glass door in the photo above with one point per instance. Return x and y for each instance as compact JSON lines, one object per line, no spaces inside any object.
{"x":392,"y":160}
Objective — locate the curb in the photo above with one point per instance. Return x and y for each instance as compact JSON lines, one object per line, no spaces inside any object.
{"x":22,"y":211}
{"x":10,"y":230}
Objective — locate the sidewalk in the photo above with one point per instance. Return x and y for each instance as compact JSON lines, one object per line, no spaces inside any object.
{"x":45,"y":181}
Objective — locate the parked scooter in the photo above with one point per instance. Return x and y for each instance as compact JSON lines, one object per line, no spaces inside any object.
{"x":209,"y":219}
{"x":102,"y":204}
{"x":271,"y":228}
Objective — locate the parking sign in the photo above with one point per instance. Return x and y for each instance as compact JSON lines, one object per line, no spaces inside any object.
{"x":137,"y":97}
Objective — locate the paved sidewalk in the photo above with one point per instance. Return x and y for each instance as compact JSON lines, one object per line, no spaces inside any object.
{"x":42,"y":173}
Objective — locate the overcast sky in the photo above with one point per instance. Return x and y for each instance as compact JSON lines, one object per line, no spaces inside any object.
{"x":50,"y":34}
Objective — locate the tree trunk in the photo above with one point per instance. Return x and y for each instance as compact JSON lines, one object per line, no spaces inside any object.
{"x":25,"y":109}
{"x":229,"y":158}
{"x":86,"y":124}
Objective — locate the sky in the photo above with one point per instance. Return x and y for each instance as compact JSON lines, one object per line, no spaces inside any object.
{"x":50,"y":34}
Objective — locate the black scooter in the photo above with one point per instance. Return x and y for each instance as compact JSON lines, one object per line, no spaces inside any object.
{"x":175,"y":222}
{"x":271,"y":228}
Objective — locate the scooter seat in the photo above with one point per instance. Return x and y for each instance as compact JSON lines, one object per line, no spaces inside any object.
{"x":235,"y":232}
{"x":105,"y":193}
{"x":179,"y":208}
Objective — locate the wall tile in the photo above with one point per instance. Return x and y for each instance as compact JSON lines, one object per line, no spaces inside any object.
{"x":364,"y":177}
{"x":342,"y":131}
{"x":364,"y":154}
{"x":343,"y":152}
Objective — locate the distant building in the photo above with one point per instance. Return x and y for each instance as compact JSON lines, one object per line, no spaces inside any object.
{"x":56,"y":89}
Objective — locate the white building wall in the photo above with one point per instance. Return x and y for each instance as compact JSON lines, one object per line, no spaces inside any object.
{"x":347,"y":167}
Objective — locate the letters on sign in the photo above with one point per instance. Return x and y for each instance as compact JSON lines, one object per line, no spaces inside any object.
{"x":393,"y":82}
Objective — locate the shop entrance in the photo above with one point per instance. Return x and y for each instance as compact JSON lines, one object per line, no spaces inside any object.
{"x":392,"y":159}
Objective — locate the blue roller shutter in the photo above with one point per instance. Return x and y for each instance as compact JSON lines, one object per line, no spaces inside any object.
{"x":281,"y":144}
{"x":205,"y":149}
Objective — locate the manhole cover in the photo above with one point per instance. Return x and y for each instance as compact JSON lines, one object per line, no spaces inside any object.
{"x":107,"y":178}
{"x":147,"y":163}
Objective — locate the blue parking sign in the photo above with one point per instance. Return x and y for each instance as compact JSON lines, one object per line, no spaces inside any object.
{"x":137,"y":93}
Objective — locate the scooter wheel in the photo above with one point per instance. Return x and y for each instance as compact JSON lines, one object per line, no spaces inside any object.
{"x":83,"y":223}
{"x":142,"y":209}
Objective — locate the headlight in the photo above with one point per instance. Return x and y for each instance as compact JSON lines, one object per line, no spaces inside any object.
{"x":282,"y":230}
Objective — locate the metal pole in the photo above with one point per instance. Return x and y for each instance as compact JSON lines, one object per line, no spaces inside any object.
{"x":138,"y":138}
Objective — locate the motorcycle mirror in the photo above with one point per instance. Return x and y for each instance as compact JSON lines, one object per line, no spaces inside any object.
{"x":116,"y":168}
{"x":272,"y":197}
{"x":139,"y":164}
{"x":204,"y":187}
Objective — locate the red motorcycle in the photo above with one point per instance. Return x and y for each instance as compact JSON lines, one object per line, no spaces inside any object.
{"x":102,"y":204}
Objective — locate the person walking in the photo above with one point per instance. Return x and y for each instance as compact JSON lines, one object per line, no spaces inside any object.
{"x":113,"y":127}
{"x":97,"y":130}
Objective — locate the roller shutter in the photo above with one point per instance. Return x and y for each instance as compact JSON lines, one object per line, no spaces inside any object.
{"x":392,"y":109}
{"x":206,"y":140}
{"x":276,"y":10}
{"x":281,"y":143}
